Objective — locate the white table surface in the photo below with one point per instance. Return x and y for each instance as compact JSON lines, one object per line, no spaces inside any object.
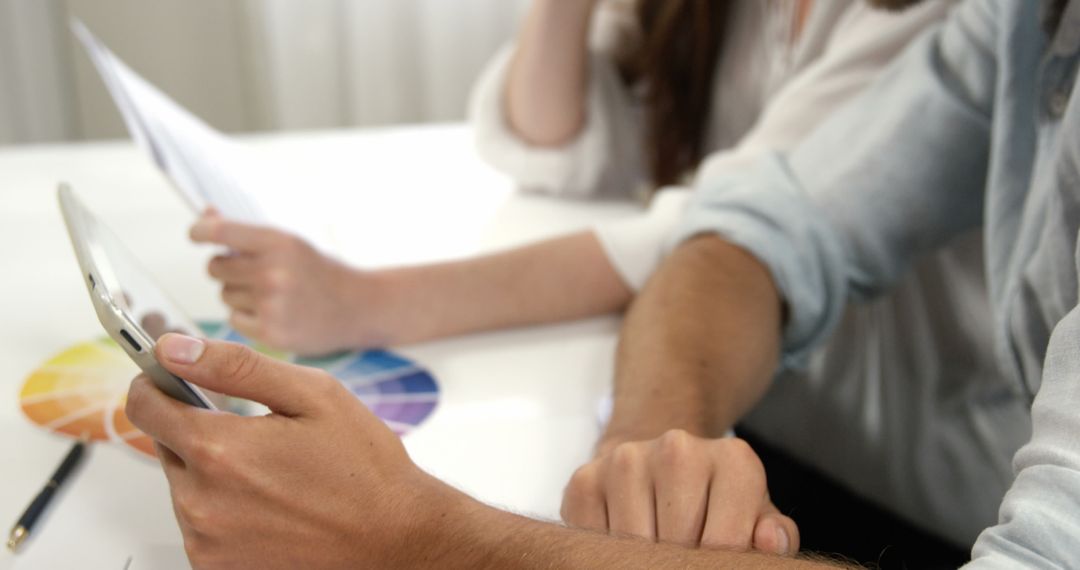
{"x":518,"y":408}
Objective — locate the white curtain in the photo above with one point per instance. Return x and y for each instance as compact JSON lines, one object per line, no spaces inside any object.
{"x":285,"y":64}
{"x":36,"y":98}
{"x":372,"y":62}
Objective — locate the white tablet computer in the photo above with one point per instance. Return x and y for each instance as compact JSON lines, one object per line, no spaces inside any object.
{"x":131,"y":307}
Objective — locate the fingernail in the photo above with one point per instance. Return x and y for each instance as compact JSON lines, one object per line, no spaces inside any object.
{"x":783,"y":544}
{"x":182,"y":349}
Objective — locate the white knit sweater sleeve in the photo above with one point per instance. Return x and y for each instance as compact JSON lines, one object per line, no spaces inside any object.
{"x":862,"y":43}
{"x":605,"y":157}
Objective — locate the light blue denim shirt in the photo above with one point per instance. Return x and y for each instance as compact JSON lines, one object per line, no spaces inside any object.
{"x":973,"y":127}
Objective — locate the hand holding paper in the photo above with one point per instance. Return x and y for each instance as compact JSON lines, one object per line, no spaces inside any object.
{"x":206,"y":167}
{"x":288,"y":295}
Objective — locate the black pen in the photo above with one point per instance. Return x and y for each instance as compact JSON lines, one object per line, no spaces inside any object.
{"x":41,"y":502}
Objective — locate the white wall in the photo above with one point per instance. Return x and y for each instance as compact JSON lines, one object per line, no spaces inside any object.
{"x":248,"y":64}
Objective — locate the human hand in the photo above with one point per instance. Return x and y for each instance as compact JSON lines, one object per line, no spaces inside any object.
{"x":286,"y":294}
{"x":683,"y":489}
{"x":319,"y":482}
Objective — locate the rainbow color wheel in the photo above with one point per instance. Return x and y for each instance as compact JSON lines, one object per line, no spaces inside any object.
{"x":83,"y":389}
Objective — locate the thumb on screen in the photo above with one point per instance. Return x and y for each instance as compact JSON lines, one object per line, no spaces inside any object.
{"x":236,"y":370}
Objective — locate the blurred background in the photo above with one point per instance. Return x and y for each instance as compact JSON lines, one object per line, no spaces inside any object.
{"x":248,"y":65}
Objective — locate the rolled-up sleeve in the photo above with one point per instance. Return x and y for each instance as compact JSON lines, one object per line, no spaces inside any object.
{"x":844,"y":213}
{"x":635,"y":245}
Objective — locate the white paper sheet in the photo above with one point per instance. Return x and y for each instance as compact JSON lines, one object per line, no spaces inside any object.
{"x":206,"y":167}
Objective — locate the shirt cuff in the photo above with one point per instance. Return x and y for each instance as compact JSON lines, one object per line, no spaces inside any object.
{"x":636,"y":246}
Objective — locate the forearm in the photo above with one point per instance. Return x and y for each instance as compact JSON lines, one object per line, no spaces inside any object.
{"x":483,"y":537}
{"x":699,"y":345}
{"x":546,"y":86}
{"x":555,"y":280}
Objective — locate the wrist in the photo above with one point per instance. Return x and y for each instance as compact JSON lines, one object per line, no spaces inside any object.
{"x":450,"y":529}
{"x":618,"y":432}
{"x":475,"y":535}
{"x":366,"y":308}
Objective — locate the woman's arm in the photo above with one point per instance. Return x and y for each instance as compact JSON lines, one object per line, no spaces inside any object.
{"x":555,"y":280}
{"x":552,"y":111}
{"x":545,"y":91}
{"x":286,"y":294}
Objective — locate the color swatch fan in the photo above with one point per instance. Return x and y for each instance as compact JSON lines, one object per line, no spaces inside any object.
{"x":82,"y":390}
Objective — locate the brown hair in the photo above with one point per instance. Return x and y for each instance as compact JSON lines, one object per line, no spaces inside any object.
{"x":676,"y":62}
